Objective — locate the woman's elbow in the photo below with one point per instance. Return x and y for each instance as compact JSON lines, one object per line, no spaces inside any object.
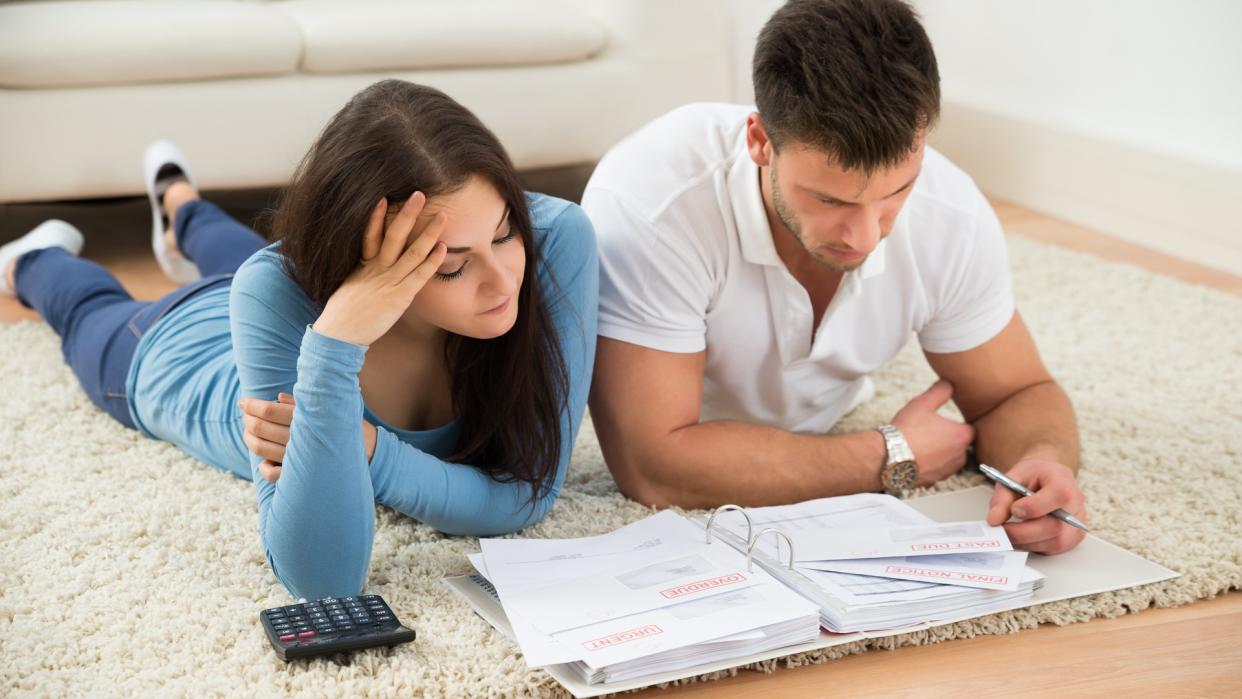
{"x":323,"y":579}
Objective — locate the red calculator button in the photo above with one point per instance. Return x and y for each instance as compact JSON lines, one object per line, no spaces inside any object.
{"x":306,"y":634}
{"x":288,"y":637}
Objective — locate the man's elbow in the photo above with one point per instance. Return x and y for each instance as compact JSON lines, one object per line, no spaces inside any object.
{"x":636,"y":479}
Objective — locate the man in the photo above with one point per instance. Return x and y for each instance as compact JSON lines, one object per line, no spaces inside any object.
{"x":757,"y":266}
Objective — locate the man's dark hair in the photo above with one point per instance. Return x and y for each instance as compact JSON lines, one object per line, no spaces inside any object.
{"x":854,"y":78}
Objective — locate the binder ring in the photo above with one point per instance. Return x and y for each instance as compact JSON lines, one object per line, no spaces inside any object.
{"x":750,"y":550}
{"x":750,"y":527}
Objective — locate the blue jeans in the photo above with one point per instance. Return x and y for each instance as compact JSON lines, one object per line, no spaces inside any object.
{"x":99,"y":323}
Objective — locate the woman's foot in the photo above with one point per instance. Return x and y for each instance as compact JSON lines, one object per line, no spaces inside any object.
{"x":177,"y":193}
{"x":165,"y":172}
{"x":49,"y":234}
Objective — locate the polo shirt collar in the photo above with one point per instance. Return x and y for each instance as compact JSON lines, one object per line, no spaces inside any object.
{"x":748,"y":213}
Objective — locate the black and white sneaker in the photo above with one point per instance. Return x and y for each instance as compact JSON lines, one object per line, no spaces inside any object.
{"x":162,"y":165}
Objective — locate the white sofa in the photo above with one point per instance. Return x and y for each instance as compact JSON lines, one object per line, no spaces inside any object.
{"x":244,"y":87}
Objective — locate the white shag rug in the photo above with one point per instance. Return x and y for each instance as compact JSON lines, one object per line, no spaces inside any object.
{"x":127,"y":568}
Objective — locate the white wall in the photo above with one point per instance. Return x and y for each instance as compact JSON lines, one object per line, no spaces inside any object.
{"x":1162,"y":75}
{"x":1121,"y":115}
{"x":749,"y":17}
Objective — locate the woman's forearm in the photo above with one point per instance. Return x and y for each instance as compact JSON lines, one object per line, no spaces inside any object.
{"x":319,"y":520}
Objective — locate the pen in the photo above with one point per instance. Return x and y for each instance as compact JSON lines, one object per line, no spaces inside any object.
{"x":1019,"y":488}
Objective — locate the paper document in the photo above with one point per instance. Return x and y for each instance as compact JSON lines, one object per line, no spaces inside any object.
{"x":577,"y":602}
{"x":646,"y":588}
{"x":726,"y":627}
{"x":514,"y":563}
{"x":911,"y":540}
{"x":990,"y":571}
{"x":732,"y":616}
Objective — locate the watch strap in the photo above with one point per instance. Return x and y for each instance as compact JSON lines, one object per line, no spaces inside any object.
{"x":895,"y":442}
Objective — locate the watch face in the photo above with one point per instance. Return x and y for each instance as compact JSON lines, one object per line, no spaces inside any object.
{"x":900,"y":476}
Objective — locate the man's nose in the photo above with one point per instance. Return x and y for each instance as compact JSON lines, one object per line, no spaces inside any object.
{"x":863,"y":229}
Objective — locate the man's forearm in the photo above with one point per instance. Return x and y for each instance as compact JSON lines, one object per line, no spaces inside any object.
{"x":712,"y":463}
{"x":1036,"y":422}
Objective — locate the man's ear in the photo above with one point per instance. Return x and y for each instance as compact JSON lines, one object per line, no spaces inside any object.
{"x":757,"y":141}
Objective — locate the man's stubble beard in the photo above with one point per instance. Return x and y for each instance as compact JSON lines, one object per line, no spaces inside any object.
{"x":787,"y":219}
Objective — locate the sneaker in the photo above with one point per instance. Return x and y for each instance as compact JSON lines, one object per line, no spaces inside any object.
{"x":52,"y":233}
{"x":162,"y":165}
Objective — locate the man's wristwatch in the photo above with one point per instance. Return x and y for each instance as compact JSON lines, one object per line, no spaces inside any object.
{"x":899,"y":472}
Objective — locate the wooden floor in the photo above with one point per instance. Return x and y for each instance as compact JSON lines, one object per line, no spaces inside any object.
{"x":1195,"y":650}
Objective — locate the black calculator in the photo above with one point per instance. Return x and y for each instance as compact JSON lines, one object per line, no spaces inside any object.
{"x":332,"y":625}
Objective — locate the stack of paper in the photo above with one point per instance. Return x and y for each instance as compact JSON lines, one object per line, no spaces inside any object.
{"x":872,"y":562}
{"x":650,"y":597}
{"x":653,"y":551}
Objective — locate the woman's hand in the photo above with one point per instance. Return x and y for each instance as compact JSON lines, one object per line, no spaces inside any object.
{"x":391,"y":274}
{"x":267,"y":432}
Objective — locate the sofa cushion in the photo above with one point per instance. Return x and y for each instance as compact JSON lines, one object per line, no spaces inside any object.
{"x":344,"y":37}
{"x":96,"y":42}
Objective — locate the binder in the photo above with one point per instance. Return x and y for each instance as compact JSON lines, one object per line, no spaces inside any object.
{"x":1092,"y":567}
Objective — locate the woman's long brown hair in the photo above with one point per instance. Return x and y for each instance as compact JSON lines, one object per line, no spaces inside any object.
{"x":392,"y":139}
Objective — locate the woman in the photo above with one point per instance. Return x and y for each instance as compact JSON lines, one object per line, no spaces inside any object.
{"x":434,"y":324}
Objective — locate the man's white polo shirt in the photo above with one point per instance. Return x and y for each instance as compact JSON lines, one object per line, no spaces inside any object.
{"x":687,"y":264}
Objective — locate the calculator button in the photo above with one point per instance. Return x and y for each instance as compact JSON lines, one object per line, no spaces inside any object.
{"x":281,"y":628}
{"x":344,"y":627}
{"x":288,"y":637}
{"x":306,"y":634}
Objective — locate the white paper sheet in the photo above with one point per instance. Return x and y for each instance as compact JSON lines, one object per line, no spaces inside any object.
{"x":849,"y":542}
{"x":862,"y":511}
{"x":578,"y":602}
{"x":514,"y":563}
{"x":606,"y":596}
{"x":989,"y":571}
{"x":735,"y":615}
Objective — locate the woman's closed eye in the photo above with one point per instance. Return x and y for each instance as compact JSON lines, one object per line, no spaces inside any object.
{"x":448,"y":273}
